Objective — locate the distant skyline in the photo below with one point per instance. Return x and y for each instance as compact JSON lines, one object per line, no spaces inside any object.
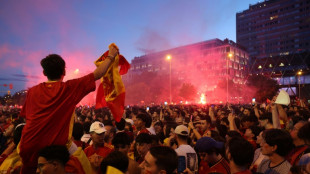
{"x":80,"y":31}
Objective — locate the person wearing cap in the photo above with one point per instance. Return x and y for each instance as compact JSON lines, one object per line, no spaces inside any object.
{"x":212,"y":160}
{"x":187,"y":156}
{"x":50,"y":106}
{"x":97,"y":151}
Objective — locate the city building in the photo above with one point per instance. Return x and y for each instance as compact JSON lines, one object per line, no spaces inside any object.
{"x":202,"y":64}
{"x":274,"y":28}
{"x":276,"y":34}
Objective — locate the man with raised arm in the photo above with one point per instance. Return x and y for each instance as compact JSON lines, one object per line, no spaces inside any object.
{"x":50,"y":105}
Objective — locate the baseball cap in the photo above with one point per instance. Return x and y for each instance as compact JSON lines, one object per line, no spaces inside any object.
{"x":97,"y":127}
{"x":204,"y":144}
{"x":128,"y":120}
{"x":181,"y":130}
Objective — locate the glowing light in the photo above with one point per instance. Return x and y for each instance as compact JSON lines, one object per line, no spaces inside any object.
{"x":76,"y":71}
{"x":299,"y":73}
{"x":186,"y":102}
{"x":202,"y":99}
{"x":168,"y":57}
{"x":230,"y":55}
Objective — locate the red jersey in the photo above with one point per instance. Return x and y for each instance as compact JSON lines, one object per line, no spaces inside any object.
{"x":221,"y":166}
{"x":244,"y":172}
{"x":144,"y":131}
{"x":48,"y":110}
{"x":101,"y":151}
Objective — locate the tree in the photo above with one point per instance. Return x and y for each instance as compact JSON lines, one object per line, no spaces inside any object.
{"x":188,"y":91}
{"x":264,"y":87}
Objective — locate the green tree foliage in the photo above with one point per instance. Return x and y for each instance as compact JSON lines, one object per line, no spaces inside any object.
{"x":188,"y":92}
{"x":265,"y":88}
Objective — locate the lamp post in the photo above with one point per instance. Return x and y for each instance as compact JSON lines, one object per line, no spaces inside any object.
{"x":229,"y":56}
{"x":299,"y":74}
{"x":169,"y":59}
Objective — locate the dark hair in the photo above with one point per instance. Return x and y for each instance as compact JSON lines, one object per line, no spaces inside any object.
{"x":216,"y":136}
{"x":222,"y":129}
{"x":159,"y":123}
{"x":166,"y":158}
{"x":145,"y":118}
{"x":121,"y":138}
{"x":169,"y":126}
{"x":233,"y":134}
{"x":115,"y":159}
{"x":17,"y":134}
{"x":280,"y":138}
{"x":77,"y":132}
{"x":303,"y":132}
{"x":86,"y":127}
{"x":55,"y":153}
{"x":255,"y":130}
{"x":121,"y":124}
{"x":144,"y":138}
{"x":266,"y":116}
{"x":241,"y":151}
{"x":53,"y":66}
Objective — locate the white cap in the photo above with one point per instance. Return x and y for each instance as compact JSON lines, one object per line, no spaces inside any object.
{"x":97,"y":127}
{"x":181,"y":130}
{"x":128,"y":120}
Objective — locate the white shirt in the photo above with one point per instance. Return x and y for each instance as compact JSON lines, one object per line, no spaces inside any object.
{"x":188,"y":157}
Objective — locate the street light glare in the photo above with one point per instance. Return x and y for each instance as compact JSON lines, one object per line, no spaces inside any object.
{"x":299,"y":73}
{"x":230,"y":55}
{"x":76,"y":71}
{"x":168,"y":57}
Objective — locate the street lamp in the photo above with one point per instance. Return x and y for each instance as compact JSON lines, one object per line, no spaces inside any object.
{"x":229,"y":56}
{"x":169,"y":59}
{"x":299,"y":74}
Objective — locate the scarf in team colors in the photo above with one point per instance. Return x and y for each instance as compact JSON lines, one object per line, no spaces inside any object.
{"x":111,"y":91}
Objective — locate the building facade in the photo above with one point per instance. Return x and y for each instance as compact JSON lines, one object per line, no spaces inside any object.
{"x":274,"y":28}
{"x":276,"y":34}
{"x":202,"y":64}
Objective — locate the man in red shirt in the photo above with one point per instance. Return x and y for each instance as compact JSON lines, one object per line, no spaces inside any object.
{"x":49,"y":108}
{"x":97,"y":151}
{"x":211,"y":158}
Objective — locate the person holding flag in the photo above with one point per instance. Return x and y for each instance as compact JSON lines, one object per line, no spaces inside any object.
{"x":111,"y":91}
{"x":49,"y":107}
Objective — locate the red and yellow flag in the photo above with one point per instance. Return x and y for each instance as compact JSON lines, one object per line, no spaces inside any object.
{"x":111,"y":91}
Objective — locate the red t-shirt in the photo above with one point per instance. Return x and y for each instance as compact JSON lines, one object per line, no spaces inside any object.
{"x":48,"y":111}
{"x":144,"y":131}
{"x":101,"y":151}
{"x":221,"y":166}
{"x":244,"y":172}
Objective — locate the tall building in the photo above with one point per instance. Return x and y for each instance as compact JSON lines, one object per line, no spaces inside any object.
{"x":276,"y":34}
{"x":202,"y":64}
{"x":274,"y":28}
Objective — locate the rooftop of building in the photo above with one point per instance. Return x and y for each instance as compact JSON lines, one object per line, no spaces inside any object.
{"x":211,"y":43}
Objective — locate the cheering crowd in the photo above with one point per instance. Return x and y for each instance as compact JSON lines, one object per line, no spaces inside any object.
{"x":51,"y":135}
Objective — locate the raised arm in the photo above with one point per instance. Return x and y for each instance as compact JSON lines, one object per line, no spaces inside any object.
{"x":104,"y":66}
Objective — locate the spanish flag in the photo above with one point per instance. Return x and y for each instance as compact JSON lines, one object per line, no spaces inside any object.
{"x":111,"y":91}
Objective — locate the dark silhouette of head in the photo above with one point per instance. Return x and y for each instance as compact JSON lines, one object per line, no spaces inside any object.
{"x":53,"y":66}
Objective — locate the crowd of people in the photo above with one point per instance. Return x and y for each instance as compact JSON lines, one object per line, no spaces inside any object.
{"x":174,"y":139}
{"x":50,"y":135}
